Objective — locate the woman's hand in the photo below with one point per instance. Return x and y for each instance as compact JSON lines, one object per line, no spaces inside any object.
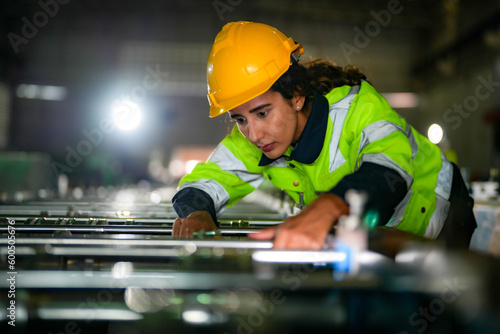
{"x":308,"y":229}
{"x":195,"y":221}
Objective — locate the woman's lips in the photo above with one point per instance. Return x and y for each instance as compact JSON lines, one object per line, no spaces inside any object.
{"x":267,"y":148}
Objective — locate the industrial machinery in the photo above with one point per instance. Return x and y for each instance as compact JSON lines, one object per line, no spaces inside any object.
{"x":100,"y":265}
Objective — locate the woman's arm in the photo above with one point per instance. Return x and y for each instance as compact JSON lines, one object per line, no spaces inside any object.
{"x":196,"y":211}
{"x":308,"y":229}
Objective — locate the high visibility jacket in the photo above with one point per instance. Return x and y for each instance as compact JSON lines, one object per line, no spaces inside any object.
{"x":360,"y":127}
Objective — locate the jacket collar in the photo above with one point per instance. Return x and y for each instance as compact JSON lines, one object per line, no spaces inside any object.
{"x":310,"y":143}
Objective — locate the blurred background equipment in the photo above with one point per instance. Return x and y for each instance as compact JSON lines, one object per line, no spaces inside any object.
{"x":26,"y":176}
{"x":65,"y":64}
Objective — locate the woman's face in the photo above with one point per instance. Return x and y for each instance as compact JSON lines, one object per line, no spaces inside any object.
{"x":270,"y":122}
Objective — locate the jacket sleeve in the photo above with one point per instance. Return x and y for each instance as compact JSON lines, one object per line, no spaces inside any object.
{"x":377,"y":134}
{"x":381,"y":149}
{"x":230,"y":173}
{"x":384,"y":187}
{"x":189,"y":200}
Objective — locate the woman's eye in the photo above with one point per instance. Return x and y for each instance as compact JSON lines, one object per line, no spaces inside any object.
{"x":239,"y":120}
{"x":262,"y":113}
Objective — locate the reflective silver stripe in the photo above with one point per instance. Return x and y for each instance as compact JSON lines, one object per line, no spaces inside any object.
{"x":379,"y":130}
{"x":376,"y":131}
{"x":443,"y":190}
{"x":278,"y":163}
{"x":445,"y":178}
{"x":382,"y":129}
{"x":384,"y":160}
{"x":413,"y":142}
{"x":213,"y":189}
{"x":338,"y":112}
{"x":399,"y":210}
{"x":438,"y":217}
{"x":228,"y":162}
{"x":225,"y":159}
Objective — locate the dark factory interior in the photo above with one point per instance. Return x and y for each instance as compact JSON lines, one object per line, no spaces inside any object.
{"x":104,"y":110}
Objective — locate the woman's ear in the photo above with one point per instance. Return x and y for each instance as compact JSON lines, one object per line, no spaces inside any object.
{"x":298,"y":101}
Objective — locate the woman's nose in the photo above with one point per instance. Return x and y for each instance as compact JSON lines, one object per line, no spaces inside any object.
{"x":254,"y":132}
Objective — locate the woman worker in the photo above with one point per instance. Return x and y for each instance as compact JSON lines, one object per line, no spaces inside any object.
{"x":315,"y":131}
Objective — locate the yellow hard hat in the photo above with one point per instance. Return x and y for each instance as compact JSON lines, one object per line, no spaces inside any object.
{"x":245,"y":60}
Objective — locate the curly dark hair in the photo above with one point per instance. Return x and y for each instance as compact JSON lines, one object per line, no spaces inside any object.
{"x":318,"y":75}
